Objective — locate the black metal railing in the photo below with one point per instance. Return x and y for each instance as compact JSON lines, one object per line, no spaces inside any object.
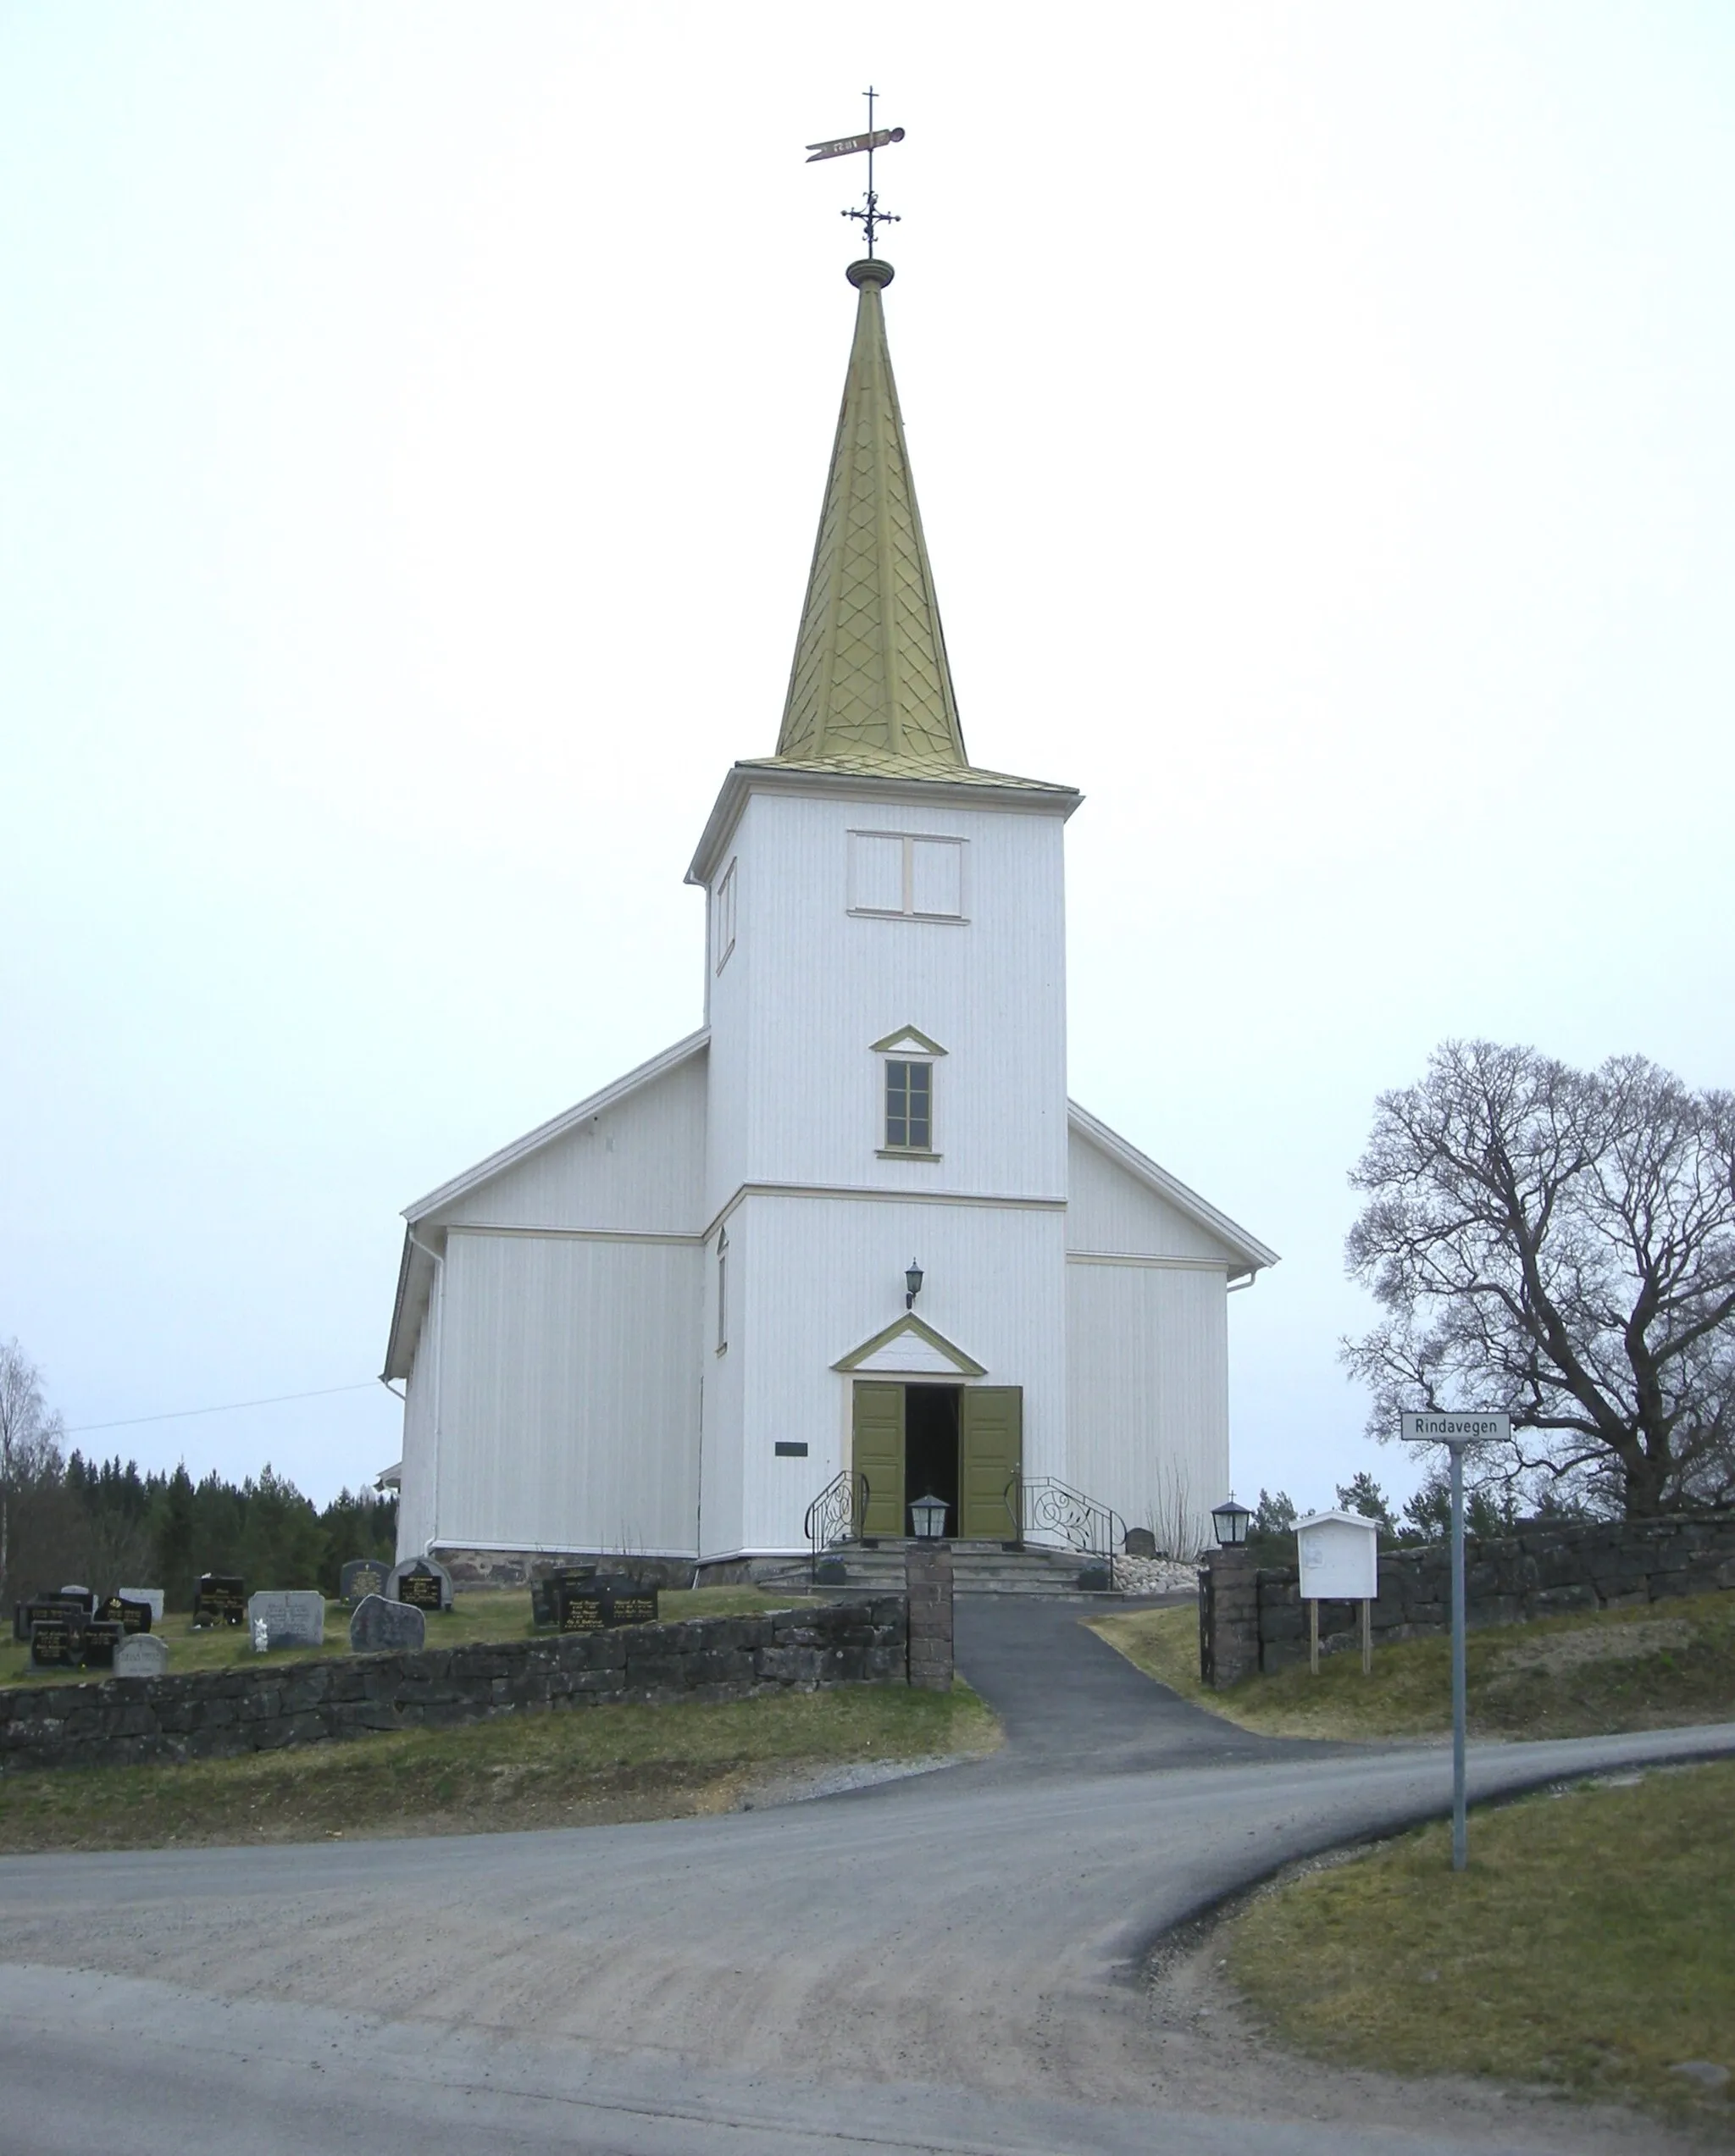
{"x":1056,"y":1517}
{"x":836,"y":1514}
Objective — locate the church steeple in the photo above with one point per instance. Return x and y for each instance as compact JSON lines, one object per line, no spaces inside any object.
{"x":870,"y":680}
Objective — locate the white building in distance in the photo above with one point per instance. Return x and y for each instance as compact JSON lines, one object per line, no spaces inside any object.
{"x":665,"y":1322}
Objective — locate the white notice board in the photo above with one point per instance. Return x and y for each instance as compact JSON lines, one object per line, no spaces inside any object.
{"x":1339,"y":1553}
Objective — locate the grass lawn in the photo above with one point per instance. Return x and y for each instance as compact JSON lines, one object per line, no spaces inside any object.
{"x":569,"y":1768}
{"x":488,"y":1613}
{"x":1589,"y":1947}
{"x":1657,"y":1667}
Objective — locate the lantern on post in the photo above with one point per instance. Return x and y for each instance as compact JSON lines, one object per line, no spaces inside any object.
{"x":1230,"y":1523}
{"x":928,"y":1514}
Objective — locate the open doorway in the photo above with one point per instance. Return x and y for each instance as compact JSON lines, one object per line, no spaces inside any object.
{"x":931,"y":1447}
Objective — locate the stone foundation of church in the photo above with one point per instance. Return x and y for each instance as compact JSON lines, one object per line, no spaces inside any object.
{"x":518,"y":1567}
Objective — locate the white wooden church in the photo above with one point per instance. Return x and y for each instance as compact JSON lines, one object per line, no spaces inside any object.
{"x":664,"y":1322}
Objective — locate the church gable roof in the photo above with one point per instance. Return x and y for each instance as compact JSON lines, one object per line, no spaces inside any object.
{"x":571,"y":1120}
{"x":1151,"y":1214}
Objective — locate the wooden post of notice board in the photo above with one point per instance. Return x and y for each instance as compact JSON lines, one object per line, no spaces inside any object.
{"x":1313,"y":1633}
{"x":1367,"y":1637}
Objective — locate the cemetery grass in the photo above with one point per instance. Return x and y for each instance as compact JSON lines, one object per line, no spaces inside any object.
{"x":487,"y":1614}
{"x":570,"y":1767}
{"x":1589,"y":1674}
{"x":1588,"y":1949}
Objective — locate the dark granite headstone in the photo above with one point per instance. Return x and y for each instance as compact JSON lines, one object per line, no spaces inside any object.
{"x":48,"y":1609}
{"x":423,"y":1580}
{"x":131,"y":1616}
{"x":362,"y":1575}
{"x":631,"y":1601}
{"x":55,"y":1643}
{"x":1139,"y":1543}
{"x":100,"y":1639}
{"x":219,"y":1599}
{"x":380,"y":1625}
{"x":421,"y":1590}
{"x":581,"y":1609}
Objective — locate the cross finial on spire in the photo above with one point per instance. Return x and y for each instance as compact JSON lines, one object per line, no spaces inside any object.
{"x":873,"y":217}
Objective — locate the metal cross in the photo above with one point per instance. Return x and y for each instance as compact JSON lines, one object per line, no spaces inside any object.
{"x":873,"y":217}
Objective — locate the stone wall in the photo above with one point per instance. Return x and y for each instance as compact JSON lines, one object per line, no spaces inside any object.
{"x":928,"y":1576}
{"x":216,"y":1713}
{"x":1540,"y":1570}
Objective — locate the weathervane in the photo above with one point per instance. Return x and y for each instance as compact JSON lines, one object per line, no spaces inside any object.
{"x":871,"y":218}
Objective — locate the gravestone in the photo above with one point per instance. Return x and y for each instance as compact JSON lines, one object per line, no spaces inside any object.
{"x":542,"y":1612}
{"x":422,"y":1581}
{"x":83,"y":1596}
{"x":121,"y":1610}
{"x":219,"y":1599}
{"x":293,"y":1616}
{"x":1139,"y":1543}
{"x":141,"y":1654}
{"x":47,"y":1608}
{"x":380,"y":1624}
{"x":598,"y":1605}
{"x":632,"y":1601}
{"x":100,"y":1640}
{"x":362,"y":1575}
{"x":55,"y":1643}
{"x":582,"y":1608}
{"x":153,"y":1595}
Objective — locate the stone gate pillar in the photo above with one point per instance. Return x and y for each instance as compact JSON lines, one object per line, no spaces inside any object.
{"x":1228,"y":1618}
{"x":927,"y":1578}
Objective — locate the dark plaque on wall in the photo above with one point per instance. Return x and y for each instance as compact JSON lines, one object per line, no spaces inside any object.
{"x":420,"y":1586}
{"x":219,"y":1599}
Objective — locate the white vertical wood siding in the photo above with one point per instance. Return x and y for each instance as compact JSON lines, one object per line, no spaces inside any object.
{"x":638,"y":1166}
{"x":1147,"y":1390}
{"x":420,"y":1467}
{"x":826,"y":1275}
{"x":569,"y":1410}
{"x":1109,"y":1209}
{"x":796,"y":1091}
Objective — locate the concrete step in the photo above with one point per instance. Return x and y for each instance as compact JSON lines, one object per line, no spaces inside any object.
{"x":978,"y":1568}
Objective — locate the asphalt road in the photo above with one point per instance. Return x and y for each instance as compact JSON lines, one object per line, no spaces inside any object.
{"x":952,"y":1961}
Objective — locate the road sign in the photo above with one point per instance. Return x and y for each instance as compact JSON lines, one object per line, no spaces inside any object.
{"x":847,"y":144}
{"x":1431,"y":1429}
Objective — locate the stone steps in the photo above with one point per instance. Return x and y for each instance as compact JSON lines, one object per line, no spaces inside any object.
{"x":978,"y":1568}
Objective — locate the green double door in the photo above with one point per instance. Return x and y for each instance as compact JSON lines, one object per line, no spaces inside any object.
{"x":990,"y":1450}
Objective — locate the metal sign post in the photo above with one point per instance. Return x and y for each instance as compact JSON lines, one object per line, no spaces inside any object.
{"x":1454,"y":1432}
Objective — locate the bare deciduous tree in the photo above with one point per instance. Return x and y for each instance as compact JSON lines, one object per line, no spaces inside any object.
{"x":1560,"y":1243}
{"x":30,"y":1450}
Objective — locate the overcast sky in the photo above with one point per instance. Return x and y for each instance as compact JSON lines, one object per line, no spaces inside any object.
{"x":413,"y":422}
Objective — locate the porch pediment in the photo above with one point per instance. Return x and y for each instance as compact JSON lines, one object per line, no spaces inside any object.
{"x":909,"y":1348}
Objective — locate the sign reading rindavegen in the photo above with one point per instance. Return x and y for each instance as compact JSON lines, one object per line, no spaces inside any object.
{"x":1429,"y":1429}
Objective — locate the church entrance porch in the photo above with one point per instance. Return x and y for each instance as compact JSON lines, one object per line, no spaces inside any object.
{"x":960,"y":1443}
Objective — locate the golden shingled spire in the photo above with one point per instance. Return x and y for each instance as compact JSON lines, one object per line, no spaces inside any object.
{"x":870,"y":681}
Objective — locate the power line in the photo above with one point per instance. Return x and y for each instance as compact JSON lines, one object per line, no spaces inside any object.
{"x":228,"y":1407}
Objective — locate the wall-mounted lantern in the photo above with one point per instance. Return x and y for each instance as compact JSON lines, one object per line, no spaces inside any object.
{"x":912,"y":1284}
